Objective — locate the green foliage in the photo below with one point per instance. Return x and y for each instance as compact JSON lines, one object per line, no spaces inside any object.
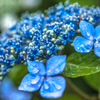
{"x":82,"y":85}
{"x":93,"y":80}
{"x":69,"y":96}
{"x":79,"y":64}
{"x":17,"y":73}
{"x":84,"y":2}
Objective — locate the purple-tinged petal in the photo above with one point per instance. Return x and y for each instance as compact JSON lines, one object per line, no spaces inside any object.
{"x":87,"y":29}
{"x":31,"y":83}
{"x":97,"y":33}
{"x":97,"y":48}
{"x":53,"y":87}
{"x":36,"y":68}
{"x":82,"y":45}
{"x":55,"y":65}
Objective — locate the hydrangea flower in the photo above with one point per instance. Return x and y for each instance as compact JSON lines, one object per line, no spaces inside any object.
{"x":39,"y":36}
{"x":9,"y":92}
{"x":91,"y":37}
{"x":6,"y":62}
{"x":41,"y":77}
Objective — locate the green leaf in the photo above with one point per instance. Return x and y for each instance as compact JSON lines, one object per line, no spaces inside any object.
{"x":79,"y":64}
{"x":17,"y":73}
{"x":93,"y":80}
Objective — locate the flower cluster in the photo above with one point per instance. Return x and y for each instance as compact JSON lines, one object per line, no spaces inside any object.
{"x":6,"y":62}
{"x":40,"y":36}
{"x":40,"y":77}
{"x":92,"y":36}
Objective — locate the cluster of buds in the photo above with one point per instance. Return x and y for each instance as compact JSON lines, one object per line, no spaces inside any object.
{"x":39,"y":36}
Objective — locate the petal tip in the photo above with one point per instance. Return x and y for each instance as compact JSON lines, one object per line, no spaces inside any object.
{"x":63,"y":56}
{"x":36,"y":68}
{"x":56,"y":87}
{"x":55,"y":65}
{"x":20,"y":88}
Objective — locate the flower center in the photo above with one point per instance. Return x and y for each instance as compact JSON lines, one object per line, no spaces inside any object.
{"x":45,"y":76}
{"x":94,"y":40}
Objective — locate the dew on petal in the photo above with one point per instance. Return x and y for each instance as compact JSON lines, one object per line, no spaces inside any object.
{"x":82,"y":45}
{"x":46,"y":86}
{"x":35,"y":80}
{"x":31,"y":83}
{"x":53,"y":87}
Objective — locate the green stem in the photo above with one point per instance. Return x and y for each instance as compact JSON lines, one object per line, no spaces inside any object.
{"x":99,"y":94}
{"x":78,"y":92}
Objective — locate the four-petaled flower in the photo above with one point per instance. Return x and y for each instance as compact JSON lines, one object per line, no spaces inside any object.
{"x":92,"y":37}
{"x":51,"y":87}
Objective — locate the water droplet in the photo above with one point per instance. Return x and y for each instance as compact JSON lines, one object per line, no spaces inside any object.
{"x":36,"y":70}
{"x":46,"y":86}
{"x":57,"y":70}
{"x":35,"y":80}
{"x":58,"y":86}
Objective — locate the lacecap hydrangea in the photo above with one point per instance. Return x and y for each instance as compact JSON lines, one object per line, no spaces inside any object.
{"x":38,"y":36}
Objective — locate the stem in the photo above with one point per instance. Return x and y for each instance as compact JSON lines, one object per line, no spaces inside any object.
{"x":99,"y":94}
{"x":78,"y":92}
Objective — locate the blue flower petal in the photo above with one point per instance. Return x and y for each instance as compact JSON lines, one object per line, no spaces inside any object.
{"x":36,"y":68}
{"x":9,"y":92}
{"x":6,"y":85}
{"x":31,"y":83}
{"x":53,"y":87}
{"x":82,"y":45}
{"x":19,"y":95}
{"x":55,"y":65}
{"x":87,"y":29}
{"x":97,"y":33}
{"x":97,"y":48}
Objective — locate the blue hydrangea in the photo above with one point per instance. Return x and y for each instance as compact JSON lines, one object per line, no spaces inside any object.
{"x":6,"y":62}
{"x":9,"y":92}
{"x":43,"y":77}
{"x":91,"y":37}
{"x":39,"y":36}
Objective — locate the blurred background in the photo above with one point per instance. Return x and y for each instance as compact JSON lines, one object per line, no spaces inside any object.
{"x":11,"y":10}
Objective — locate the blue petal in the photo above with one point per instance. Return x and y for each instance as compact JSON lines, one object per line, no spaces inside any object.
{"x":87,"y":29}
{"x":36,"y":68}
{"x":19,"y":95}
{"x":82,"y":45}
{"x":31,"y":83}
{"x":53,"y":87}
{"x":55,"y":65}
{"x":9,"y":92}
{"x":97,"y":33}
{"x":8,"y":86}
{"x":97,"y":49}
